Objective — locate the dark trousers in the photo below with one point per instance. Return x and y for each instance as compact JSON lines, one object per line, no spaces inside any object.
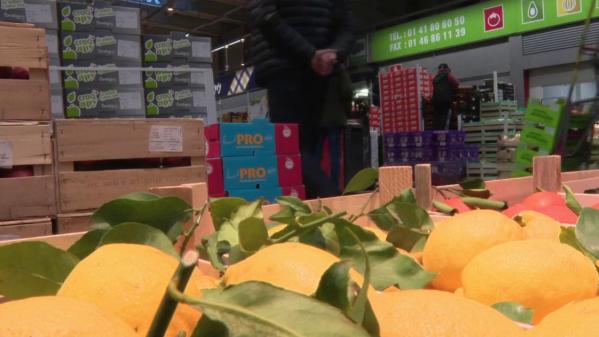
{"x":441,"y":116}
{"x":297,"y":96}
{"x":334,"y":137}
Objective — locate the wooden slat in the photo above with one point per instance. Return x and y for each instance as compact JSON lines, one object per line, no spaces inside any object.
{"x":393,"y":180}
{"x":27,"y":197}
{"x":26,"y":228}
{"x":23,"y":47}
{"x":63,"y":241}
{"x":25,"y":100}
{"x":583,"y":185}
{"x":73,"y":223}
{"x":79,"y":140}
{"x":81,"y":191}
{"x":423,"y":185}
{"x":31,"y":144}
{"x":547,"y":173}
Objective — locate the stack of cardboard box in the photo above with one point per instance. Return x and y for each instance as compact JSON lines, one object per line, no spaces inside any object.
{"x":254,"y":160}
{"x":402,"y":91}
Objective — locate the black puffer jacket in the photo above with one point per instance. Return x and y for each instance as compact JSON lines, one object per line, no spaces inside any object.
{"x":287,"y":33}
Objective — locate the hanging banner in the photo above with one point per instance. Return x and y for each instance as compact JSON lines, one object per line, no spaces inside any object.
{"x":236,"y":83}
{"x":480,"y":22}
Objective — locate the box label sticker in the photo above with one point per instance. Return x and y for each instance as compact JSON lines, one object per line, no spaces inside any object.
{"x":5,"y":154}
{"x":57,"y":107}
{"x":166,"y":138}
{"x":39,"y":13}
{"x":131,"y":101}
{"x":126,"y":19}
{"x":127,"y":77}
{"x":129,"y":49}
{"x":201,"y":49}
{"x":199,"y":98}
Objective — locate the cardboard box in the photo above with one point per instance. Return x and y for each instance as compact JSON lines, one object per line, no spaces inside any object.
{"x":158,"y":79}
{"x":104,"y":16}
{"x":13,"y":11}
{"x":106,"y":45}
{"x":42,"y":13}
{"x":127,"y":20}
{"x":77,"y":46}
{"x":258,"y":138}
{"x":157,"y":48}
{"x":131,"y":101}
{"x":160,"y":102}
{"x":269,"y":194}
{"x":128,"y":49}
{"x":181,"y":46}
{"x":290,"y":170}
{"x":213,"y":150}
{"x":214,"y":169}
{"x":91,"y":102}
{"x":242,"y":173}
{"x":75,"y":79}
{"x":295,"y":191}
{"x":75,"y":17}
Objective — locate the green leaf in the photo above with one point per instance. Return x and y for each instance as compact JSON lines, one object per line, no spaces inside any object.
{"x":33,"y":269}
{"x":406,"y":238}
{"x":141,"y":196}
{"x":149,"y":44}
{"x":389,"y":267}
{"x":150,"y":97}
{"x":87,"y":243}
{"x":66,"y":10}
{"x":295,"y":204}
{"x":444,"y":208}
{"x":285,"y":215}
{"x":253,"y":210}
{"x":307,"y":219}
{"x":411,"y":216}
{"x":383,"y":218}
{"x":571,"y":201}
{"x":334,"y":285}
{"x":260,"y":309}
{"x":223,"y":210}
{"x":68,"y":40}
{"x":252,"y":234}
{"x":515,"y":311}
{"x":568,"y":237}
{"x":209,"y":249}
{"x":362,"y":181}
{"x":407,"y":196}
{"x":209,"y":328}
{"x":587,"y":230}
{"x":71,"y":97}
{"x":166,"y":214}
{"x":136,"y":233}
{"x":473,"y":184}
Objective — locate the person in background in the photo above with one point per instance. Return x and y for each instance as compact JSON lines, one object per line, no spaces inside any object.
{"x":295,"y":47}
{"x":445,"y":87}
{"x":337,"y":106}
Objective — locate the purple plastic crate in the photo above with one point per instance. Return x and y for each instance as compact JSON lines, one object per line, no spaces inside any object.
{"x":472,"y":152}
{"x":421,"y":154}
{"x":422,"y":139}
{"x":456,"y":138}
{"x":440,"y":138}
{"x":397,"y":156}
{"x":441,"y":154}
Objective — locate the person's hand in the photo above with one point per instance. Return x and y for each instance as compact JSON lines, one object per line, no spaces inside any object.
{"x":323,"y":61}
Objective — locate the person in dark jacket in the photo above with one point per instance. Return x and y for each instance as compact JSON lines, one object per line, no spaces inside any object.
{"x":295,"y":46}
{"x":445,"y":87}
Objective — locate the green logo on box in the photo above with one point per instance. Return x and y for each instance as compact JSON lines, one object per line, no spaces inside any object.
{"x":533,"y":11}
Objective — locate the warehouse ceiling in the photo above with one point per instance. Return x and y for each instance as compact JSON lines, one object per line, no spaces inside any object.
{"x":226,"y":20}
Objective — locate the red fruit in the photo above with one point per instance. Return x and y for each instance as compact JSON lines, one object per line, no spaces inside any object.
{"x":19,"y":73}
{"x":560,"y":214}
{"x":516,"y":209}
{"x":5,"y":72}
{"x":544,"y":199}
{"x":458,"y":204}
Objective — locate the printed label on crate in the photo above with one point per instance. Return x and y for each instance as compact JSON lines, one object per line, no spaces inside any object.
{"x":166,"y":138}
{"x":128,"y":49}
{"x":39,"y":13}
{"x":5,"y":154}
{"x":126,"y":19}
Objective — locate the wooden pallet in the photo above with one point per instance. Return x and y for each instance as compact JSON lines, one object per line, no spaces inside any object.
{"x":73,"y":223}
{"x":27,"y":228}
{"x":24,"y":46}
{"x":117,"y":139}
{"x":27,"y":144}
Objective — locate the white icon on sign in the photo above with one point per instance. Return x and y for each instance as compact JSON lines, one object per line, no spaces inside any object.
{"x":533,"y":10}
{"x":494,"y":20}
{"x":289,"y":164}
{"x":569,"y":5}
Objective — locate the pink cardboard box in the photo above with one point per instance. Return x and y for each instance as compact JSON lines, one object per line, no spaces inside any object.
{"x":213,"y":150}
{"x":216,"y":182}
{"x":287,"y":138}
{"x":290,"y":170}
{"x":212,"y":133}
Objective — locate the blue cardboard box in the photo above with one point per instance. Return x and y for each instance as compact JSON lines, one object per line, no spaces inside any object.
{"x":270,"y":194}
{"x":243,"y":173}
{"x":247,"y":139}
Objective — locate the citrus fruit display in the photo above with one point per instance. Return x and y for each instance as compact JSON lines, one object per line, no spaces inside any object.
{"x":51,"y":316}
{"x":539,"y":226}
{"x":129,"y":281}
{"x":540,"y":274}
{"x":432,"y":313}
{"x":455,"y":241}
{"x":577,"y":319}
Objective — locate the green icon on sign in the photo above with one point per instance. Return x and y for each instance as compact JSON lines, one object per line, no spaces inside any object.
{"x":533,"y":11}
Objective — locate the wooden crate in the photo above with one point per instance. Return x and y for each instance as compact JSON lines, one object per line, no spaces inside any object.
{"x":24,"y":46}
{"x":23,"y":229}
{"x":28,"y":197}
{"x":73,"y":223}
{"x":114,"y":139}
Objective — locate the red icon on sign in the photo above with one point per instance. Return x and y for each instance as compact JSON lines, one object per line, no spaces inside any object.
{"x":494,"y":18}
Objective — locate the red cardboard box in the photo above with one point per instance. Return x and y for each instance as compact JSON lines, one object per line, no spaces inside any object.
{"x":212,"y":133}
{"x":290,"y":170}
{"x":295,"y":191}
{"x":214,"y":168}
{"x":213,"y":149}
{"x":287,"y":138}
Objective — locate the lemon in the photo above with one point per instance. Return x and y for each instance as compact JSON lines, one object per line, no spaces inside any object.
{"x":129,"y":281}
{"x":573,"y":320}
{"x":432,"y":313}
{"x":291,"y":265}
{"x":539,"y":226}
{"x":539,"y":274}
{"x":455,"y":241}
{"x":51,"y":316}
